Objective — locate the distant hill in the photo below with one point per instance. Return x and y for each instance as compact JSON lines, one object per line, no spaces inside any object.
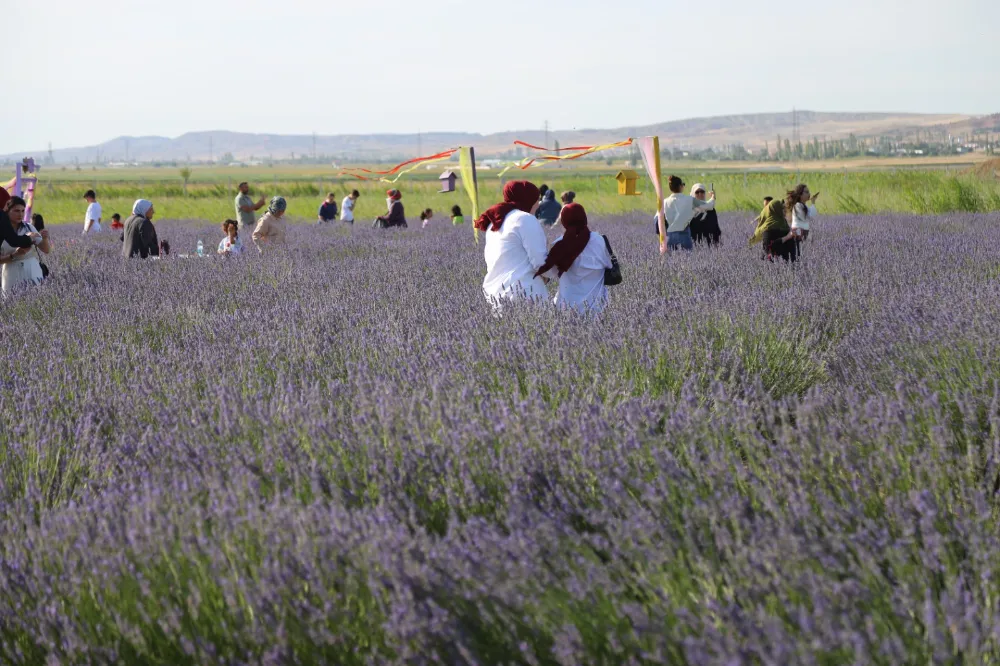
{"x":751,"y":130}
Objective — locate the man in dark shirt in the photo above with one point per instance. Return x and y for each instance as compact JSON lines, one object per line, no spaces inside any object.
{"x":549,"y":209}
{"x":328,"y":211}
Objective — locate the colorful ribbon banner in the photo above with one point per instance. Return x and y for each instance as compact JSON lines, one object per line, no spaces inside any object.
{"x":399,"y":169}
{"x":528,"y":162}
{"x":467,"y":167}
{"x":649,"y":148}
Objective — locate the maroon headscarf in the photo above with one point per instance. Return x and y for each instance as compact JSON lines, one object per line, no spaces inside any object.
{"x":517,"y":195}
{"x":565,"y":251}
{"x":4,"y":197}
{"x":394,"y":194}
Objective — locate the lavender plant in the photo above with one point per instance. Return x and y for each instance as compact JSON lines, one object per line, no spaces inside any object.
{"x":338,"y":455}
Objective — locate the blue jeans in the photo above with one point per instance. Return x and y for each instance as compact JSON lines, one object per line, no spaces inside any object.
{"x":680,"y":240}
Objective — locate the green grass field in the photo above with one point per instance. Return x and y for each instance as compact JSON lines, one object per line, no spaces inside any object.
{"x":210,"y":192}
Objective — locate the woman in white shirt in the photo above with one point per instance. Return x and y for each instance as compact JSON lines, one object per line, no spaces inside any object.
{"x":578,"y":258}
{"x":678,"y":210}
{"x":798,"y":201}
{"x":21,"y":265}
{"x":514,"y":246}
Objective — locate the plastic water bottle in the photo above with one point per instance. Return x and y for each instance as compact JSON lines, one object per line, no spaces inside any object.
{"x":201,"y":249}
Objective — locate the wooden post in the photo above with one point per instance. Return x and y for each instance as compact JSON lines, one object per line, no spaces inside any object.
{"x":744,"y":179}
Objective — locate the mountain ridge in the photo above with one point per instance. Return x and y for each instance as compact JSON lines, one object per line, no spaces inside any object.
{"x":752,"y":130}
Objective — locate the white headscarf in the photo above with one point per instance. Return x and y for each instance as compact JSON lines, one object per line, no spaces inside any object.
{"x":695,"y":188}
{"x":141,"y":207}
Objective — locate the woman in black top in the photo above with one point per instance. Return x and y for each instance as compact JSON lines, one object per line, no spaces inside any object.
{"x":7,"y":233}
{"x":705,"y":227}
{"x":396,"y":216}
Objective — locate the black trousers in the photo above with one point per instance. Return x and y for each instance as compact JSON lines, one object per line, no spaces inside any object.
{"x":779,"y":249}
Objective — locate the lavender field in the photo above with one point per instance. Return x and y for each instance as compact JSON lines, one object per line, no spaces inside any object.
{"x":338,"y":456}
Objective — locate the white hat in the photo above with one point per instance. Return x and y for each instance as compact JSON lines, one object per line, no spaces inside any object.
{"x":696,"y":187}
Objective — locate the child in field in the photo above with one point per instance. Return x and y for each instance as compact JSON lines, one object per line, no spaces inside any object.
{"x":231,"y":244}
{"x":425,"y":218}
{"x":456,"y":216}
{"x":347,"y":207}
{"x":116,"y":222}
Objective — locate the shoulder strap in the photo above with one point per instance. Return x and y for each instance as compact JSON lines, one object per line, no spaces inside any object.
{"x":607,"y":244}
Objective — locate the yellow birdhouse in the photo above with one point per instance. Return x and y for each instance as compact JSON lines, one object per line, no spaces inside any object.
{"x":627,"y":179}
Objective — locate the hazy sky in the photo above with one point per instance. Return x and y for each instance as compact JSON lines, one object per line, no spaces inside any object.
{"x":98,"y":69}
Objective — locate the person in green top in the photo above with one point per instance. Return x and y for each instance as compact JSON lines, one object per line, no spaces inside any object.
{"x":775,"y":232}
{"x":456,"y":216}
{"x":245,"y":209}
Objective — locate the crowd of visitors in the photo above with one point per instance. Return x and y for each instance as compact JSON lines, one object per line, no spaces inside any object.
{"x":519,"y":262}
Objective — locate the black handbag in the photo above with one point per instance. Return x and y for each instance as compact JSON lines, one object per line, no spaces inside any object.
{"x":45,"y":269}
{"x":613,"y":275}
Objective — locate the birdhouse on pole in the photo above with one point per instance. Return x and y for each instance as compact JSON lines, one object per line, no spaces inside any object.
{"x":447,"y":179}
{"x":627,"y":179}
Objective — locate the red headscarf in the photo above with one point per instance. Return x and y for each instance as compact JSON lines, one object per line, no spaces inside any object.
{"x":395,"y":195}
{"x":564,"y":253}
{"x":517,"y":195}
